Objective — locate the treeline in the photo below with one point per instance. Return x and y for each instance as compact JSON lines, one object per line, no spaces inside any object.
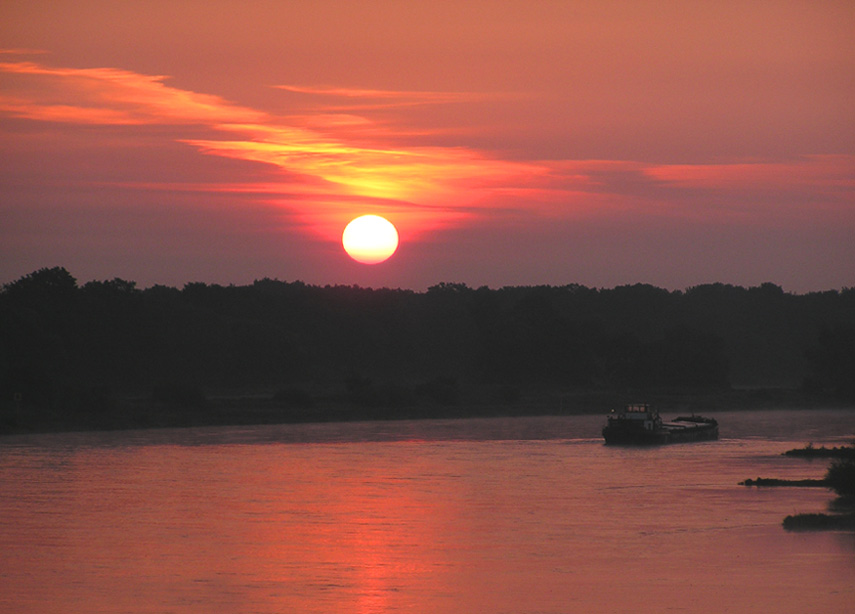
{"x":67,"y":347}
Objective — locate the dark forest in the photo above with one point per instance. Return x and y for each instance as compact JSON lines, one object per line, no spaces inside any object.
{"x":107,"y":354}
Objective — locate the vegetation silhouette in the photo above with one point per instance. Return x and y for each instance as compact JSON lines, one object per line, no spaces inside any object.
{"x":110,"y":355}
{"x":810,"y":451}
{"x":840,"y":477}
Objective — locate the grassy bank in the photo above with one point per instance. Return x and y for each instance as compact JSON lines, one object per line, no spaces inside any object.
{"x":815,"y":522}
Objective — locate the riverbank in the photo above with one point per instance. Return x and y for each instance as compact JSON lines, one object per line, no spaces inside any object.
{"x":809,"y":451}
{"x":190,"y":407}
{"x":810,"y":483}
{"x":820,"y":522}
{"x":840,"y":478}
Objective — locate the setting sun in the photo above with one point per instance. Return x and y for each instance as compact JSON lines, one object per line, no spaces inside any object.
{"x":370,"y":239}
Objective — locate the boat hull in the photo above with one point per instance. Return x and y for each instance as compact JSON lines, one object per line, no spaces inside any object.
{"x":681,"y":430}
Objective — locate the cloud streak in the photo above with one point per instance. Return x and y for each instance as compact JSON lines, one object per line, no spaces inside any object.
{"x":109,"y":96}
{"x":334,"y":166}
{"x":317,"y":162}
{"x":373,"y":99}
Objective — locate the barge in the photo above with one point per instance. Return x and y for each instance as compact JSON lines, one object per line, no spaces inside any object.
{"x":639,"y":424}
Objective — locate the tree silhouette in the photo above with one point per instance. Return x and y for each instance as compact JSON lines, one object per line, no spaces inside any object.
{"x":72,"y":353}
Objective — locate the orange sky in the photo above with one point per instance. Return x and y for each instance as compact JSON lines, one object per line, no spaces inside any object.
{"x":511,"y":143}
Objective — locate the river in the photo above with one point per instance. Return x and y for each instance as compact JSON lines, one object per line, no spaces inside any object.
{"x":492,"y":516}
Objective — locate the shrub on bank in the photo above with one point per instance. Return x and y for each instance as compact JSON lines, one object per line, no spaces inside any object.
{"x":841,"y":477}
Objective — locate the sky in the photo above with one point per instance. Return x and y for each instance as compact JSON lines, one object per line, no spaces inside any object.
{"x":510,"y":142}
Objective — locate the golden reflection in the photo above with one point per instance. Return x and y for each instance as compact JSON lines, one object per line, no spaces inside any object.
{"x":368,"y":539}
{"x":474,"y":526}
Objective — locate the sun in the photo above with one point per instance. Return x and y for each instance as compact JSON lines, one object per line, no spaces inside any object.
{"x":370,"y":239}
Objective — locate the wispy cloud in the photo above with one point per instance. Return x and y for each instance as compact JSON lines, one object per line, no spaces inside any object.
{"x":412,"y":173}
{"x":367,"y":99}
{"x":825,"y":171}
{"x":336,"y":165}
{"x":109,"y":96}
{"x":319,"y":158}
{"x":790,"y":191}
{"x":22,"y":51}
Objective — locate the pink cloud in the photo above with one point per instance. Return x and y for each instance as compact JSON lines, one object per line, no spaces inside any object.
{"x":109,"y":96}
{"x":334,"y":166}
{"x":406,"y":96}
{"x":321,"y":159}
{"x":803,"y":189}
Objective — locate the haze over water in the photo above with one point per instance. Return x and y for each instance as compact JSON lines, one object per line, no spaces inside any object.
{"x":500,"y":515}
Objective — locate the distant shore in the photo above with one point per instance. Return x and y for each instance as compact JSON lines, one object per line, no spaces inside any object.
{"x":265,"y":407}
{"x":108,"y":355}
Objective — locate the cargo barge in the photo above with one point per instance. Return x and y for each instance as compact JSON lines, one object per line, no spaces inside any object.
{"x":639,"y":424}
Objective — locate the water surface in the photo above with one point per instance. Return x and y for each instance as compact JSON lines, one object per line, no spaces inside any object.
{"x":528,"y":515}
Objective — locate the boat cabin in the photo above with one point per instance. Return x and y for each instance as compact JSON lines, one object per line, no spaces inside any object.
{"x":635,"y":416}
